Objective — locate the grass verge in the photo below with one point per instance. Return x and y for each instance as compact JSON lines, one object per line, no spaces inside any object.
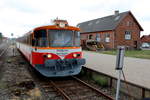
{"x":132,"y":53}
{"x":102,"y":81}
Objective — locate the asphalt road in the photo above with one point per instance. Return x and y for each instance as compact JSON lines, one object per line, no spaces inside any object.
{"x":136,"y":70}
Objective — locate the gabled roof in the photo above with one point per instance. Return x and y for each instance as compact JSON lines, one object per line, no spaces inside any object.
{"x":145,"y":38}
{"x":105,"y":23}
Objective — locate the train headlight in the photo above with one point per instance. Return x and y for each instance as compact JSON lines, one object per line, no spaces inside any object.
{"x":49,"y":56}
{"x":62,"y":25}
{"x":74,"y":55}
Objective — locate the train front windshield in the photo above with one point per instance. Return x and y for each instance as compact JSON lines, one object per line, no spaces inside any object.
{"x":57,"y":38}
{"x":64,"y":38}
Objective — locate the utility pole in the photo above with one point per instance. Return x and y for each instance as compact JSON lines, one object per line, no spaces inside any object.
{"x":12,"y":43}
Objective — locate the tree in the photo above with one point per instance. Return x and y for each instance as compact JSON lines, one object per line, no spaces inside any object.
{"x":1,"y":35}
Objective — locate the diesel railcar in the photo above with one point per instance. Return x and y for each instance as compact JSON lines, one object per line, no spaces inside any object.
{"x":53,"y":50}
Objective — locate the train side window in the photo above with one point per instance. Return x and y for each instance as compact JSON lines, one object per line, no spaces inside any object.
{"x":40,"y":38}
{"x":77,"y":38}
{"x":33,"y":42}
{"x":28,"y":42}
{"x":30,"y":39}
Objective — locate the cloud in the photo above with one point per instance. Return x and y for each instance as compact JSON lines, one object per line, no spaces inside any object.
{"x":20,"y":16}
{"x":20,"y":5}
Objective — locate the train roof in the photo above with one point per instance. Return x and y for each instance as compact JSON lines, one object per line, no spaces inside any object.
{"x":52,"y":27}
{"x":55,"y":27}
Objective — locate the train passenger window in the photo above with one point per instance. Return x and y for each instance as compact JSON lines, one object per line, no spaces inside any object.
{"x":30,"y":39}
{"x":33,"y":42}
{"x":40,"y":38}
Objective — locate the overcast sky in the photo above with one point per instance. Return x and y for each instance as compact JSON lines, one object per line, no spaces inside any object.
{"x":20,"y":16}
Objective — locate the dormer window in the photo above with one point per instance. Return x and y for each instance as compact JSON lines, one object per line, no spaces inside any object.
{"x":117,"y":18}
{"x":97,"y":22}
{"x":90,"y":23}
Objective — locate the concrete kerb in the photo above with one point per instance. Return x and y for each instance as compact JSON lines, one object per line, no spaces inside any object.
{"x":136,"y":91}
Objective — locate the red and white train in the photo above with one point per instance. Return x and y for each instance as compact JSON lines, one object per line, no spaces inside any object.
{"x":53,"y":50}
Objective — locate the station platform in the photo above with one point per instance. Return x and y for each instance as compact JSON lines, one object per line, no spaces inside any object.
{"x":137,"y":71}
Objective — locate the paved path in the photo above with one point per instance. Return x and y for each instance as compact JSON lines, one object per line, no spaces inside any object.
{"x":136,"y":70}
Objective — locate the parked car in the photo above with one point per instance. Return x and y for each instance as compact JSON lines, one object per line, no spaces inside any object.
{"x":145,"y":45}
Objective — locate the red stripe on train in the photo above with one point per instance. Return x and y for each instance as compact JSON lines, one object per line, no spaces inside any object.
{"x":39,"y":58}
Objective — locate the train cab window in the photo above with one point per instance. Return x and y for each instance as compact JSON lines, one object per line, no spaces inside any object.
{"x":60,"y":38}
{"x":40,"y":38}
{"x":77,"y":38}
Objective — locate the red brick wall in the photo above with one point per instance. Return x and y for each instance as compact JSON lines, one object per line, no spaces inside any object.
{"x":117,"y":37}
{"x":108,"y":45}
{"x":145,"y":38}
{"x":120,"y":33}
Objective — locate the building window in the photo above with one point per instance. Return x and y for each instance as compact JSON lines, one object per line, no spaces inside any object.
{"x":129,"y":23}
{"x":90,"y":36}
{"x":98,"y":37}
{"x":107,"y":37}
{"x":127,"y":35}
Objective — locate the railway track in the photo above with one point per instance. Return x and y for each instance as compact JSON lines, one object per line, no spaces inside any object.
{"x":3,"y":48}
{"x":72,"y":89}
{"x":3,"y":51}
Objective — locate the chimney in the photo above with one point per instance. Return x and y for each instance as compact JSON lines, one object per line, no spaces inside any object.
{"x":116,"y":12}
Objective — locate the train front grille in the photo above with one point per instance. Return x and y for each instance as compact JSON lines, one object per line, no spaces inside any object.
{"x":60,"y":65}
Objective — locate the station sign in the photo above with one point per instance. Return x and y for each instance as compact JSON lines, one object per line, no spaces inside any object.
{"x":120,"y":57}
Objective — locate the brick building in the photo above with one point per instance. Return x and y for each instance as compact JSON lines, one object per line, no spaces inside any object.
{"x":145,"y":40}
{"x":113,"y":30}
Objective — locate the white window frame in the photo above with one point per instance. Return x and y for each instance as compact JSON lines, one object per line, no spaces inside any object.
{"x":90,"y":36}
{"x":127,"y":35}
{"x":107,"y":37}
{"x":98,"y":37}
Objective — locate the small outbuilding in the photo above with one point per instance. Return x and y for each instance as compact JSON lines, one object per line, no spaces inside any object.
{"x":145,"y":40}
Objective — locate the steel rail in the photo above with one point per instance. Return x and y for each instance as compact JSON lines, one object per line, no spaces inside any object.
{"x":93,"y":88}
{"x":66,"y":97}
{"x":3,"y":51}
